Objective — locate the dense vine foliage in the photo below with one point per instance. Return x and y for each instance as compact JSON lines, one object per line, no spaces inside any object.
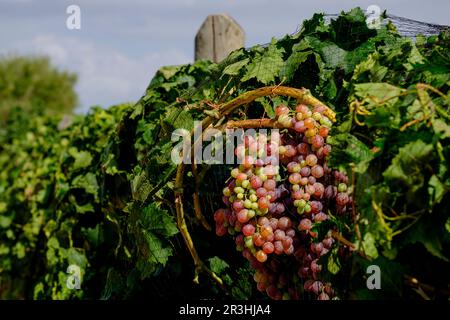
{"x":97,"y":191}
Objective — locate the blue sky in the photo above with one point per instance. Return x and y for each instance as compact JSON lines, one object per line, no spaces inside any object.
{"x":122,"y":43}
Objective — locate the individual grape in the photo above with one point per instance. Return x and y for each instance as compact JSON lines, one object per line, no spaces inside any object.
{"x":316,"y":206}
{"x":279,"y":235}
{"x":342,"y":187}
{"x":281,"y":109}
{"x":323,"y":131}
{"x":261,"y":192}
{"x":287,"y":242}
{"x":270,"y":185}
{"x":258,"y":240}
{"x":294,"y":178}
{"x":305,"y":224}
{"x":242,"y":216}
{"x":319,"y":217}
{"x":248,"y":230}
{"x":290,"y":151}
{"x":221,"y":230}
{"x":305,"y":171}
{"x":261,"y":256}
{"x":284,"y":223}
{"x":303,"y":148}
{"x":316,"y":287}
{"x":342,"y":198}
{"x":238,"y":205}
{"x":266,"y":231}
{"x":300,"y":126}
{"x":289,"y":250}
{"x":317,"y":171}
{"x":301,"y":108}
{"x":263,"y":203}
{"x":263,"y":221}
{"x":317,"y":141}
{"x":319,"y":189}
{"x":273,"y":222}
{"x":268,"y":247}
{"x":255,"y":182}
{"x":323,"y":296}
{"x":290,"y":232}
{"x":278,"y":247}
{"x":315,"y":267}
{"x":311,"y":160}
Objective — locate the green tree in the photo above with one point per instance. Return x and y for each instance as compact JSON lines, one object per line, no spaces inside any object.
{"x":33,"y":84}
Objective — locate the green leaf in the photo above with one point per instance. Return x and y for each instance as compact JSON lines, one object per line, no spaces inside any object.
{"x":347,"y":149}
{"x":266,"y":66}
{"x":157,"y":253}
{"x":441,"y":128}
{"x":179,"y":118}
{"x":217,"y":265}
{"x":293,"y":62}
{"x":234,"y":68}
{"x":406,"y":166}
{"x":158,"y":221}
{"x":5,"y":222}
{"x":88,"y":182}
{"x":140,"y":187}
{"x":83,"y":159}
{"x":333,"y":264}
{"x":426,"y":232}
{"x":378,"y":92}
{"x":369,"y":246}
{"x":436,"y":190}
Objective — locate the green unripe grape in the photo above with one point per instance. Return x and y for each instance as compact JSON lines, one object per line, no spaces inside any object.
{"x":251,"y":214}
{"x":296,"y":203}
{"x":302,"y":203}
{"x":255,"y":206}
{"x":240,"y":196}
{"x":238,"y":190}
{"x":300,"y":210}
{"x":248,"y":242}
{"x":295,"y":187}
{"x":247,"y":204}
{"x":238,"y":183}
{"x":263,"y":177}
{"x":253,"y":198}
{"x":342,"y":187}
{"x":226,"y":192}
{"x":235,"y":172}
{"x":307,"y":208}
{"x":252,"y":191}
{"x":265,"y":211}
{"x":231,"y":231}
{"x":317,"y":116}
{"x":245,"y":184}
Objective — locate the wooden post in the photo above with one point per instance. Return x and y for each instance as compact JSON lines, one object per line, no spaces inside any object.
{"x":218,"y":36}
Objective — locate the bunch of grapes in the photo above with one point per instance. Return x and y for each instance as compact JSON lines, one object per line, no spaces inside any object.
{"x":277,"y":198}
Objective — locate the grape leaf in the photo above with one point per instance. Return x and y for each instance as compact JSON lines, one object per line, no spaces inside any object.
{"x":265,"y":67}
{"x":217,"y":265}
{"x":406,"y":166}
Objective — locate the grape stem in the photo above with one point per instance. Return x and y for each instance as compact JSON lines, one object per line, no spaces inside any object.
{"x":197,"y":208}
{"x":181,"y":222}
{"x":254,"y":124}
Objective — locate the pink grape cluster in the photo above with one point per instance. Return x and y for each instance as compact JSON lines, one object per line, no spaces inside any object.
{"x":276,"y":199}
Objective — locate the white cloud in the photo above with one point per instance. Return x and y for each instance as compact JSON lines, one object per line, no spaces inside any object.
{"x":106,"y":76}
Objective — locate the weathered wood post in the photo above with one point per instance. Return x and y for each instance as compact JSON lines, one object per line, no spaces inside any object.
{"x":218,"y":36}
